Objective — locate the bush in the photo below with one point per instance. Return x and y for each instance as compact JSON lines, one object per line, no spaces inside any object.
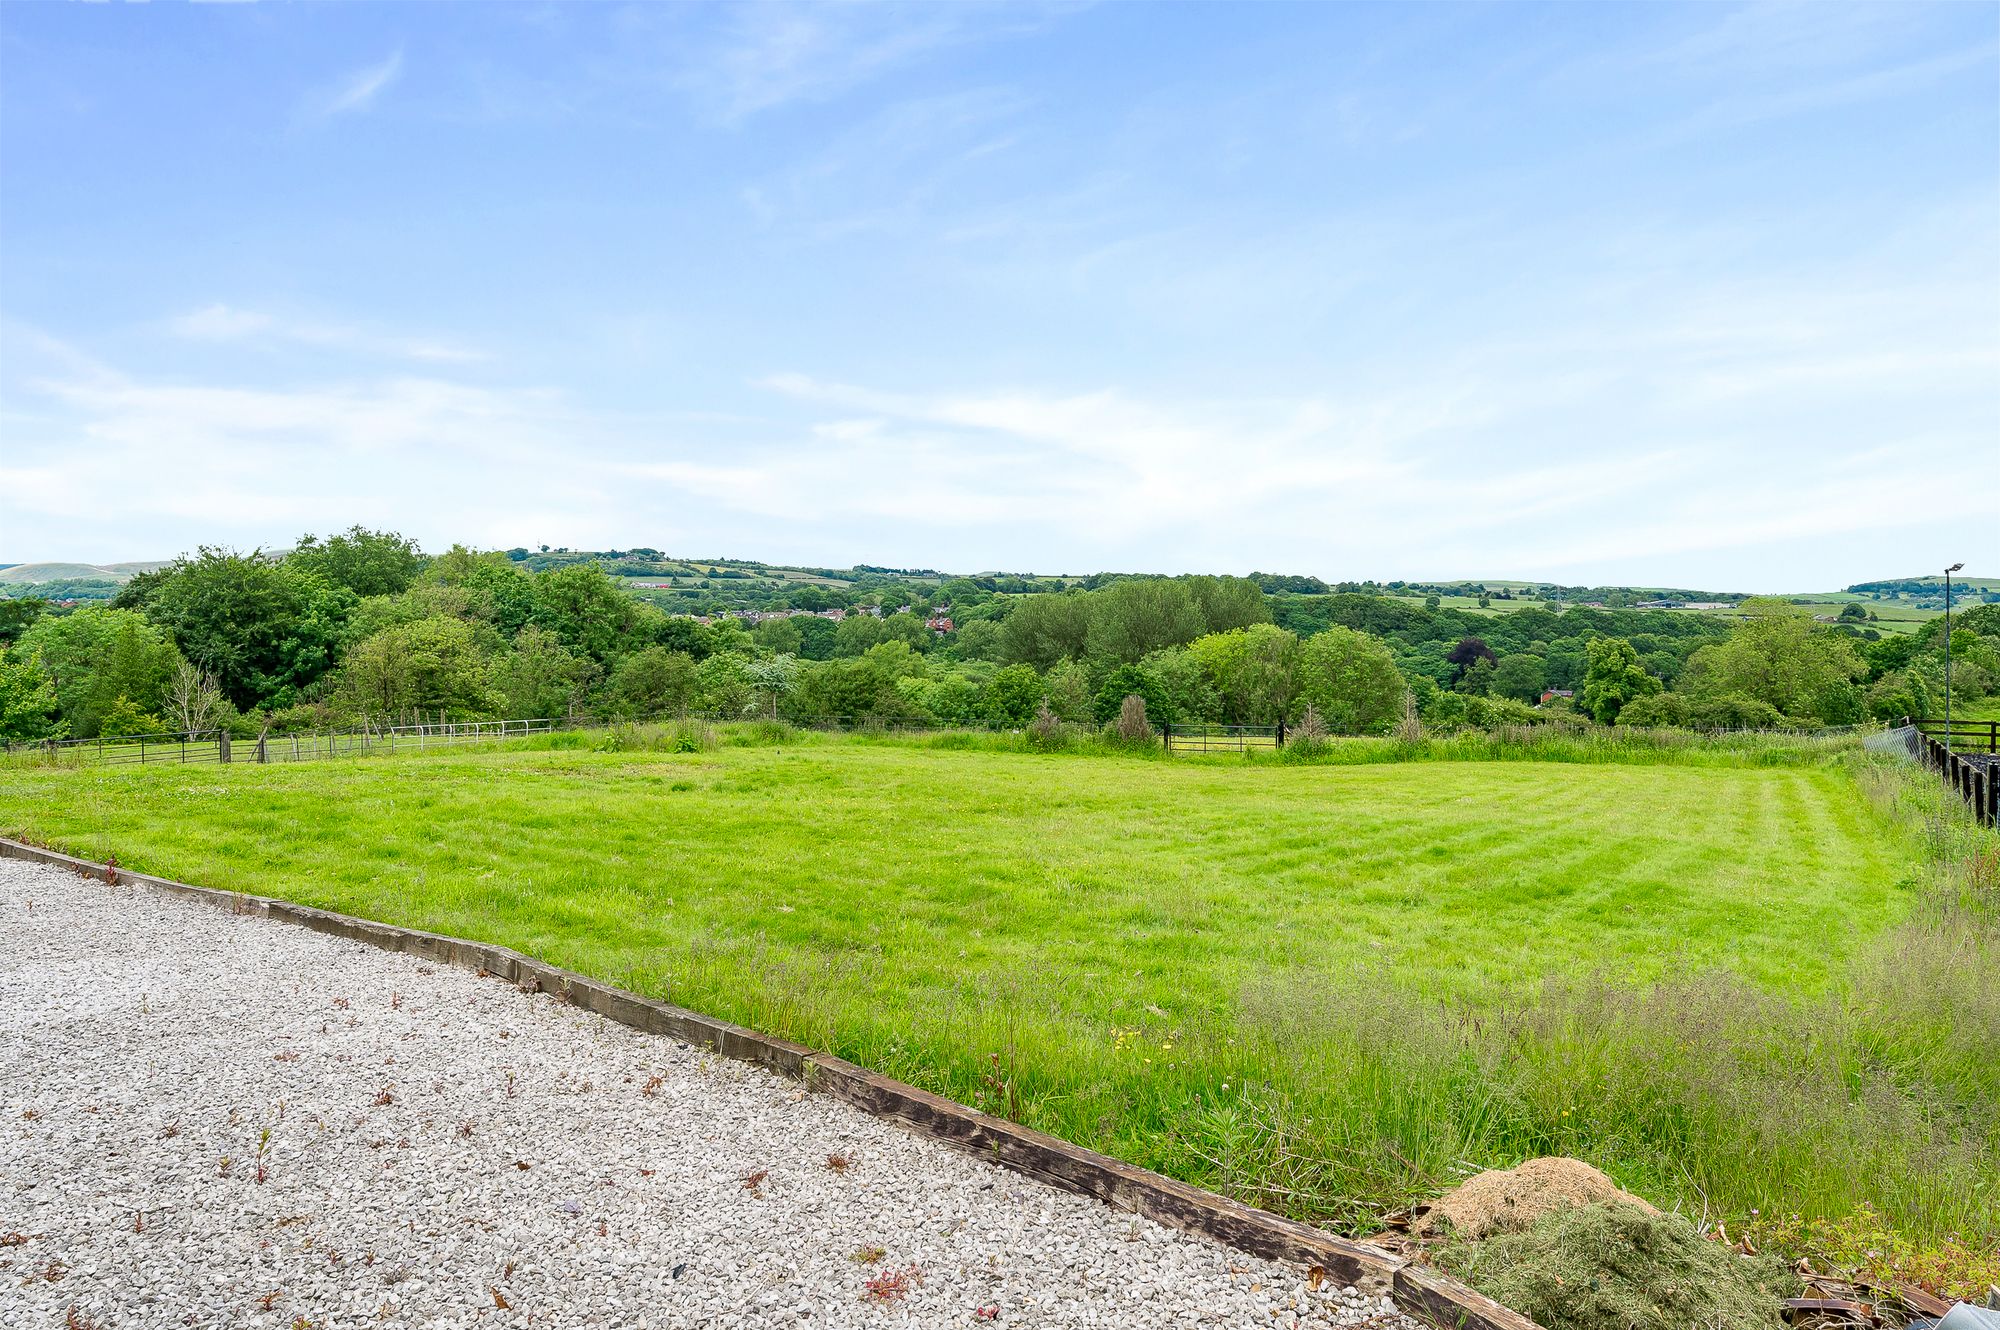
{"x":1132,"y":727}
{"x":1045,"y":730}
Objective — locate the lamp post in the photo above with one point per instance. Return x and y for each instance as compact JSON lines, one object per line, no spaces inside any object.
{"x":1947,"y":651}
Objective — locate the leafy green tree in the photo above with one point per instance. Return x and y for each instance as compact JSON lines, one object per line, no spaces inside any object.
{"x":978,"y":640}
{"x":421,"y":668}
{"x":97,"y":656}
{"x":541,"y":677}
{"x":1187,"y":693}
{"x":1478,"y":678}
{"x":1067,"y":690}
{"x":1254,"y":671}
{"x":1043,"y":629}
{"x":816,"y":638}
{"x":17,"y":614}
{"x":265,"y":629}
{"x":772,"y":679}
{"x":28,"y":705}
{"x":654,"y":682}
{"x":1351,"y":680}
{"x":1228,"y":603}
{"x":1012,"y":695}
{"x":498,"y":590}
{"x":1131,"y":618}
{"x":125,"y":718}
{"x":1521,"y":676}
{"x":368,"y":563}
{"x":727,"y":687}
{"x":1613,"y":678}
{"x":780,"y":636}
{"x":585,"y":608}
{"x":1780,"y":657}
{"x":1133,"y":681}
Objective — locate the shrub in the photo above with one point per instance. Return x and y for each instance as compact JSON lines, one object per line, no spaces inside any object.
{"x":1045,"y":730}
{"x":1133,"y":728}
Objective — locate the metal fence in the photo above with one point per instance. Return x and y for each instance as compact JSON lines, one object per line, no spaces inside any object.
{"x":1200,"y":738}
{"x":193,"y":746}
{"x":219,"y":746}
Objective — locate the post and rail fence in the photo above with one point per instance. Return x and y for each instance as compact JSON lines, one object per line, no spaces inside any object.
{"x":1966,"y":756}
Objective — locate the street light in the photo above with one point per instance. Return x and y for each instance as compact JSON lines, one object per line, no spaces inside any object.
{"x":1947,"y":651}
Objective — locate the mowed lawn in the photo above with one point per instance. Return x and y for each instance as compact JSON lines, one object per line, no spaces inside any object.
{"x":1325,"y":989}
{"x":1165,"y":880}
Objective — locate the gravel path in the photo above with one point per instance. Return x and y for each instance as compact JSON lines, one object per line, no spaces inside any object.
{"x":338,"y":1136}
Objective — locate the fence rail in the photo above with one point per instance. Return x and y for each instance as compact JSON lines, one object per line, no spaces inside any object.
{"x":217,"y":746}
{"x":193,"y":746}
{"x":1973,"y":773}
{"x":1963,"y":736}
{"x":1222,"y":738}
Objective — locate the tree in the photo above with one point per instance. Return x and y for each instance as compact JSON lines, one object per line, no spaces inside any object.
{"x":1351,"y":681}
{"x":1521,"y":676}
{"x":1613,"y":678}
{"x":583,"y":607}
{"x":1012,"y":696}
{"x":194,"y":698}
{"x":1186,"y":693}
{"x":1067,"y":688}
{"x":1254,"y":671}
{"x":540,"y":677}
{"x":1468,"y":650}
{"x":780,"y":636}
{"x":653,"y":682}
{"x":368,"y":563}
{"x":264,"y":629}
{"x":125,"y":718}
{"x":430,"y":665}
{"x":17,"y":614}
{"x":28,"y":706}
{"x":1778,"y":656}
{"x":1043,"y":629}
{"x":97,"y":656}
{"x":498,"y":590}
{"x":1132,"y":681}
{"x":1130,"y":618}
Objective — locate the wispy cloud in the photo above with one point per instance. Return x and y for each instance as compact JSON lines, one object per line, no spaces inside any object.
{"x":357,"y":90}
{"x":227,"y":323}
{"x":775,"y":54}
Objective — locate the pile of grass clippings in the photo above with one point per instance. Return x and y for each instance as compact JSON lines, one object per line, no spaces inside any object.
{"x":1612,"y":1266}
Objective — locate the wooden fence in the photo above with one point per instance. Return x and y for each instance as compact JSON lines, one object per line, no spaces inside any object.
{"x":1966,"y":754}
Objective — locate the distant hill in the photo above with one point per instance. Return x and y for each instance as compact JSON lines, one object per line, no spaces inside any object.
{"x":75,"y":572}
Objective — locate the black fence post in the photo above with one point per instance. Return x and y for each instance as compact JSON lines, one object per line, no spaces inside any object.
{"x":1280,"y":742}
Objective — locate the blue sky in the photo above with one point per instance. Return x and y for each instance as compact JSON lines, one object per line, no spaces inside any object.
{"x":1703,"y":295}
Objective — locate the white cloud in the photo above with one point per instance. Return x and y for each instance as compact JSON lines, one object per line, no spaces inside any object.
{"x":358,"y":90}
{"x":226,"y":323}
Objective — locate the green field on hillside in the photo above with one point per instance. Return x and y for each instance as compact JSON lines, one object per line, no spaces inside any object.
{"x":1326,"y":988}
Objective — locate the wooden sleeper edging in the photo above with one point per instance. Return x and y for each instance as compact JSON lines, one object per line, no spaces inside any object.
{"x":1416,"y":1288}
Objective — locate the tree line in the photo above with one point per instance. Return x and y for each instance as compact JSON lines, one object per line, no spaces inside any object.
{"x":364,"y":627}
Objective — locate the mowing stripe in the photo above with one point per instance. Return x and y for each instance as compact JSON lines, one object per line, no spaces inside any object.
{"x":1416,"y":1288}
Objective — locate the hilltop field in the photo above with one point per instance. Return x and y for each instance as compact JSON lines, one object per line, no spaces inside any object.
{"x":1743,"y":978}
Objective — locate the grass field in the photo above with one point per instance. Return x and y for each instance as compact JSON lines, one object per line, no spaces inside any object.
{"x":1326,"y":988}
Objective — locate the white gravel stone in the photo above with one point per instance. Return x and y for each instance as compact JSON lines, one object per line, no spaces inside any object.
{"x":212,"y":1120}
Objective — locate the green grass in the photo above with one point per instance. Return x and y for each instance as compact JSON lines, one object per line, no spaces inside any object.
{"x":1327,"y":988}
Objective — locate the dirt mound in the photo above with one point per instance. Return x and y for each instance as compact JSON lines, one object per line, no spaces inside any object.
{"x":1612,"y":1266}
{"x":1507,"y":1200}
